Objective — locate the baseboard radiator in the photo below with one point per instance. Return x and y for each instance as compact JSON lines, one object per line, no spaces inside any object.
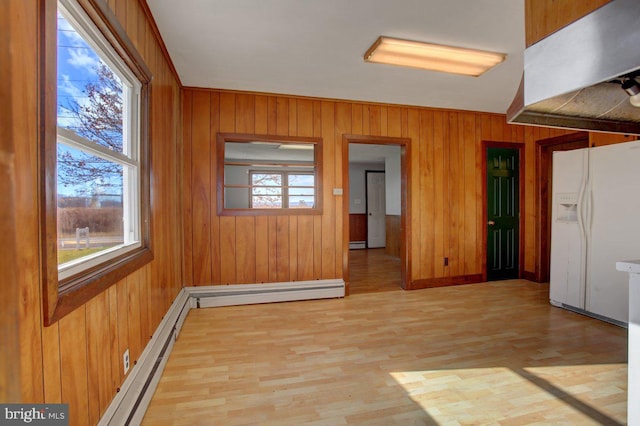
{"x":131,"y":402}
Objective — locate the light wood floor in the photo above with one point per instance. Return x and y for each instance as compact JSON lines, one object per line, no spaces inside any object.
{"x":494,"y":353}
{"x":372,"y":271}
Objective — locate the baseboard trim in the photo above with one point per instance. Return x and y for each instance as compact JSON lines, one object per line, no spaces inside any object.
{"x":445,"y":281}
{"x":131,"y":402}
{"x":246,"y":294}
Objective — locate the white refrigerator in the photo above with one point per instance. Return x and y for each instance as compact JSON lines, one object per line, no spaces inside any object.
{"x":595,"y":223}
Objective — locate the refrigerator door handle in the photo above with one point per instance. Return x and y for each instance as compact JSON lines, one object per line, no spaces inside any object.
{"x":583,"y":206}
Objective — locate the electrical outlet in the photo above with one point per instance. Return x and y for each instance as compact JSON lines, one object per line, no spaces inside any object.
{"x":125,"y":358}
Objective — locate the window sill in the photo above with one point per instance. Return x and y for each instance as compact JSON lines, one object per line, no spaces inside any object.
{"x":76,"y":291}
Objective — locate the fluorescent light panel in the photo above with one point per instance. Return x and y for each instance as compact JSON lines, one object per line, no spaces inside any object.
{"x":435,"y":57}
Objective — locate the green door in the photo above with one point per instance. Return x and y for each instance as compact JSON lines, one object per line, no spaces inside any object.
{"x":503,"y":213}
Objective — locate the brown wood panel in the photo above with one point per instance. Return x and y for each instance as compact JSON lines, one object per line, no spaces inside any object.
{"x":293,"y":248}
{"x":227,"y":111}
{"x":201,"y":187}
{"x":392,"y":235}
{"x":245,"y":114}
{"x":282,"y":249}
{"x":9,"y":290}
{"x":440,"y":194}
{"x":357,"y":227}
{"x":262,"y":249}
{"x":261,"y":115}
{"x":74,"y":370}
{"x":272,"y":234}
{"x":329,"y":208}
{"x":304,"y":108}
{"x":187,"y":209}
{"x":317,"y":247}
{"x":114,"y":358}
{"x":228,"y":253}
{"x":456,"y":175}
{"x":544,"y":17}
{"x":245,"y":259}
{"x":394,"y":122}
{"x":306,"y":248}
{"x":601,"y":139}
{"x":99,"y":359}
{"x":356,"y":119}
{"x":293,"y":117}
{"x":51,"y":364}
{"x":24,"y":108}
{"x":135,"y":299}
{"x":375,"y":120}
{"x":122,"y":324}
{"x":471,"y":234}
{"x":424,"y":168}
{"x":272,"y":115}
{"x":342,"y":127}
{"x":215,"y":118}
{"x":282,"y":116}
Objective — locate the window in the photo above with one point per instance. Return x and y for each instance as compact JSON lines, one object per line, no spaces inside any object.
{"x":96,"y":174}
{"x":272,"y":189}
{"x":268,"y":174}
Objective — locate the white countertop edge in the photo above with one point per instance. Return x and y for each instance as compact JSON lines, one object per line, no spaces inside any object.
{"x":631,"y":266}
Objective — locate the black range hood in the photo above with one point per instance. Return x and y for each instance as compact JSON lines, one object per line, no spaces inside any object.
{"x":573,"y":78}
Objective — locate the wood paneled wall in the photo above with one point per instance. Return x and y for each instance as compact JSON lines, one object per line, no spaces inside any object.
{"x":543,"y":17}
{"x":79,"y":359}
{"x":9,"y":363}
{"x":446,"y":183}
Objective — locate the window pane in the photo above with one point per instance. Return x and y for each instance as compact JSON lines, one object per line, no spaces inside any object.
{"x":301,"y":191}
{"x":266,"y":179}
{"x":301,"y":202}
{"x":267,"y":191}
{"x":90,"y":204}
{"x":266,"y":202}
{"x":301,"y":180}
{"x":90,"y":94}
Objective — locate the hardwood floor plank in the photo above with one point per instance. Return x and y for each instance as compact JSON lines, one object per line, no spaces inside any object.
{"x":490,"y":353}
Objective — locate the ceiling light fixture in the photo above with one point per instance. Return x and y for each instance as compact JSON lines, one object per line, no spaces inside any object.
{"x":304,"y":147}
{"x":633,"y":90}
{"x":435,"y":57}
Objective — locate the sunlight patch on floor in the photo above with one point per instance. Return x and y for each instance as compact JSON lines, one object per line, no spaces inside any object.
{"x":526,"y":395}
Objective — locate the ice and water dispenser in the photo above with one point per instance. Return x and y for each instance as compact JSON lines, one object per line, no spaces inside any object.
{"x":567,"y":205}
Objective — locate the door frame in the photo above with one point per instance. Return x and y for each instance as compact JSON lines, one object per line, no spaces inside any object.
{"x":520,"y":147}
{"x":542,"y":244}
{"x":366,"y":197}
{"x":405,"y":202}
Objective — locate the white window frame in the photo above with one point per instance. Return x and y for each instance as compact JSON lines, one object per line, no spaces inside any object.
{"x":129,"y":158}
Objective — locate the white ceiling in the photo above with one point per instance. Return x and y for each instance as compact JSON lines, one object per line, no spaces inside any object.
{"x":316,"y":47}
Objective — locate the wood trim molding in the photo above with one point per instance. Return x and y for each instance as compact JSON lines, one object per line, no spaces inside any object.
{"x":541,"y":272}
{"x":405,"y":201}
{"x":222,"y":138}
{"x":521,"y":155}
{"x":446,"y":281}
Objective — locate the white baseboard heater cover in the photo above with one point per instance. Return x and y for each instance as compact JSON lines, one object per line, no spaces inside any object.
{"x":246,"y":294}
{"x":130,"y":403}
